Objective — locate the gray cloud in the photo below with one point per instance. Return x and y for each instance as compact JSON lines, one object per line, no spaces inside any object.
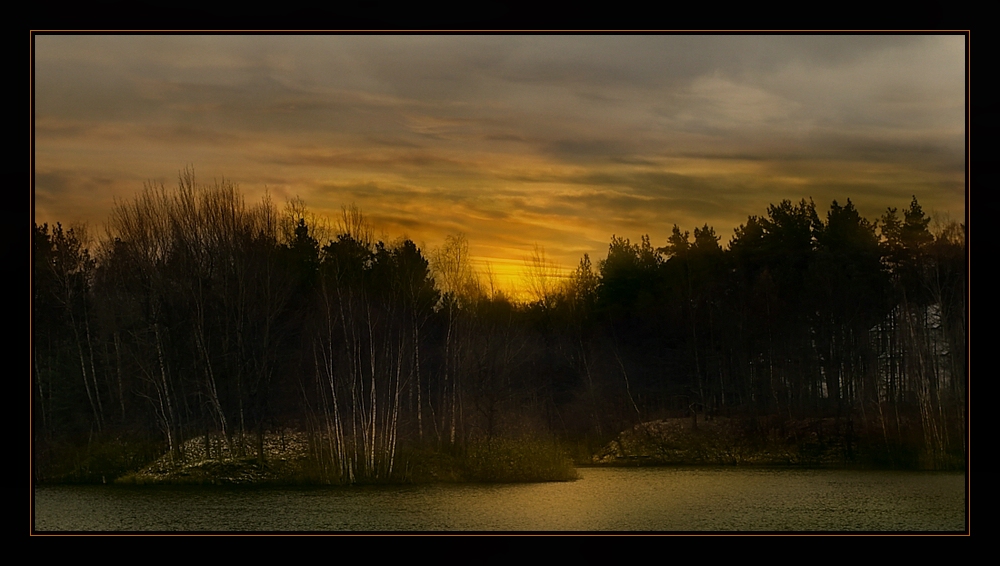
{"x":512,"y":138}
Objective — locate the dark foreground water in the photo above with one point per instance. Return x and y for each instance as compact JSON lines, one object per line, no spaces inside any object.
{"x":643,"y":499}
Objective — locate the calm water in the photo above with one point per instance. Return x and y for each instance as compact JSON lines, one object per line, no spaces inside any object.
{"x":644,"y":499}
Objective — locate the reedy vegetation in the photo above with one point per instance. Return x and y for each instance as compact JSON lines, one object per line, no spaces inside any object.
{"x":198,"y":314}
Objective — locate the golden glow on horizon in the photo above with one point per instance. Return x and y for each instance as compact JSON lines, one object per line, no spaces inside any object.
{"x":555,"y":141}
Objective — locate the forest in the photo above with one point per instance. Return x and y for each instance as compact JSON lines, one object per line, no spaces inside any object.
{"x":198,"y":315}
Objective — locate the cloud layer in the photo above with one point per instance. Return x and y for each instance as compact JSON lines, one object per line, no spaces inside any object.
{"x":513,"y":140}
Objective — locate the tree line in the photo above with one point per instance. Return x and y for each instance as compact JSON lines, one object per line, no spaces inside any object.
{"x":200,"y":315}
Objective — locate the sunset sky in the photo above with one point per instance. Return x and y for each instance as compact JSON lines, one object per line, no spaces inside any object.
{"x":558,"y":141}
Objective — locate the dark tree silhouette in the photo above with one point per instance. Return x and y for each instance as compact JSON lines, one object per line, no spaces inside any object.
{"x":200,"y":317}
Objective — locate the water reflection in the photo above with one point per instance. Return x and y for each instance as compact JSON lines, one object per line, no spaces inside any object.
{"x":645,"y":499}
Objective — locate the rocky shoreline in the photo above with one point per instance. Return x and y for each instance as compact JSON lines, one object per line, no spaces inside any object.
{"x":768,"y":441}
{"x":288,"y":460}
{"x":724,"y":441}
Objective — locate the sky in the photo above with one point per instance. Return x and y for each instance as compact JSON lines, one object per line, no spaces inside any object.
{"x":519,"y":142}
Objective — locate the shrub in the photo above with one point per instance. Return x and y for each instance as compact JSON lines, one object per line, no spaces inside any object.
{"x":520,"y":459}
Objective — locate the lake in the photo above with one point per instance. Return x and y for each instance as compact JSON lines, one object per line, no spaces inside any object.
{"x":603,"y":499}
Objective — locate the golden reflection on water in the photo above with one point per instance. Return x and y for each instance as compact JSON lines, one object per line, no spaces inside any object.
{"x":613,"y":500}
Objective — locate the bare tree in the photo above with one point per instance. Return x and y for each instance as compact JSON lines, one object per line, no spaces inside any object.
{"x":541,"y":277}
